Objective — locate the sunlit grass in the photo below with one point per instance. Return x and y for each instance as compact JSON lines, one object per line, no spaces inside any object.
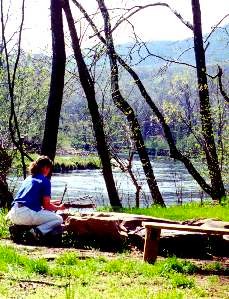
{"x":185,"y":212}
{"x":68,"y":163}
{"x":4,"y":224}
{"x":120,"y":277}
{"x":90,"y":161}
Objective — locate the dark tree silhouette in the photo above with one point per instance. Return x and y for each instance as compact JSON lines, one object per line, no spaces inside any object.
{"x":6,"y":196}
{"x":57,"y":81}
{"x":205,"y":107}
{"x":88,"y":86}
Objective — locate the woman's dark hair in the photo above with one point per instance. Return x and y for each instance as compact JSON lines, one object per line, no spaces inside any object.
{"x":37,"y":165}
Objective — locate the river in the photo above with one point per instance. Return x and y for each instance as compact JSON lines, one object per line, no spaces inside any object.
{"x":173,"y":179}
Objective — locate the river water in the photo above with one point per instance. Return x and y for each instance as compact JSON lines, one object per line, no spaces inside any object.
{"x":174,"y":182}
{"x":173,"y":179}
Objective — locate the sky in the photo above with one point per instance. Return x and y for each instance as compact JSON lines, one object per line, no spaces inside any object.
{"x":156,"y":23}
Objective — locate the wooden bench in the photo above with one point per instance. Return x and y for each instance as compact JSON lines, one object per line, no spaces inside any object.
{"x":153,"y":232}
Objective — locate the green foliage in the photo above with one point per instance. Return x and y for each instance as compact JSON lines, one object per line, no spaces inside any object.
{"x":70,"y":292}
{"x":184,"y":212}
{"x":10,"y":258}
{"x":69,"y":259}
{"x":4,"y":224}
{"x":77,"y":162}
{"x":38,"y":266}
{"x":181,"y":281}
{"x":212,"y":267}
{"x":158,"y":142}
{"x":65,"y":163}
{"x":172,"y":265}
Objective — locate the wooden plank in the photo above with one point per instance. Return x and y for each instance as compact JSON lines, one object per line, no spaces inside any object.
{"x":189,"y":228}
{"x":151,"y":246}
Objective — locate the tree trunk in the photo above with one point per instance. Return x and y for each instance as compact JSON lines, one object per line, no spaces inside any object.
{"x":88,"y":86}
{"x":57,"y":81}
{"x":6,"y":196}
{"x":205,"y":108}
{"x":127,"y":110}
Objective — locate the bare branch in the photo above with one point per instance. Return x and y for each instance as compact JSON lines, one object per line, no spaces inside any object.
{"x":215,"y":27}
{"x":138,"y":8}
{"x":222,"y":91}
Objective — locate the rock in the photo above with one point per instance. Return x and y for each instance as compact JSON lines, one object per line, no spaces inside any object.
{"x":109,"y":228}
{"x":208,"y":223}
{"x":217,"y":224}
{"x":112,"y":228}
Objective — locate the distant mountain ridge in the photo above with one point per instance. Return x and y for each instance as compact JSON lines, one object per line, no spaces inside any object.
{"x":217,"y":51}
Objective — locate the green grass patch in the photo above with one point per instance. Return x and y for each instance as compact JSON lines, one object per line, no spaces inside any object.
{"x":64,"y":164}
{"x":10,"y":259}
{"x":120,"y":277}
{"x":184,"y":212}
{"x":4,"y":225}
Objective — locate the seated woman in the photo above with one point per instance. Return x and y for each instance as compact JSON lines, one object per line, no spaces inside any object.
{"x":32,"y":204}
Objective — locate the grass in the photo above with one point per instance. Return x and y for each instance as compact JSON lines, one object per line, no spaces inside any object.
{"x":65,"y":164}
{"x":99,"y":277}
{"x":4,"y":225}
{"x":185,"y":212}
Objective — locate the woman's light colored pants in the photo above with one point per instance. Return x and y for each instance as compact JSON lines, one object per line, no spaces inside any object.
{"x":44,"y":220}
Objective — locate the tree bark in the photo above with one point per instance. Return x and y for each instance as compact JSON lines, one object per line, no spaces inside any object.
{"x":88,"y":86}
{"x":127,"y":110}
{"x":205,"y":108}
{"x":6,"y":196}
{"x":57,"y":81}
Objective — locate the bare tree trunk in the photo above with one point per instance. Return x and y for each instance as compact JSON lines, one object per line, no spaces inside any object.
{"x":205,"y":108}
{"x":6,"y":196}
{"x":127,"y":110}
{"x":57,"y":81}
{"x":88,"y":86}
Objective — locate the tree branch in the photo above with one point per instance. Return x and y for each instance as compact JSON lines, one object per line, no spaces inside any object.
{"x":138,"y":8}
{"x":222,"y":91}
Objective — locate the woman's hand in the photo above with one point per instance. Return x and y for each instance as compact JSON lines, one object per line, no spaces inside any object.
{"x":56,"y":201}
{"x":61,"y":207}
{"x":49,"y":205}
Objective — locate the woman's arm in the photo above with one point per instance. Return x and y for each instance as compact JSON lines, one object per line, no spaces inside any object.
{"x":48,"y":205}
